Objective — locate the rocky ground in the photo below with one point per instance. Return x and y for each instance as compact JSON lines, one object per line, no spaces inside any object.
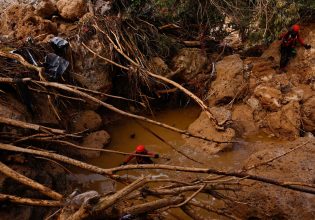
{"x":247,"y":96}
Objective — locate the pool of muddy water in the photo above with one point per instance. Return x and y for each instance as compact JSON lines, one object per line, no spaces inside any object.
{"x":127,"y":134}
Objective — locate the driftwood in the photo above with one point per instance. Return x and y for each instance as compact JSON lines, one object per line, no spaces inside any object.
{"x":28,"y":201}
{"x":29,"y":182}
{"x":35,"y":127}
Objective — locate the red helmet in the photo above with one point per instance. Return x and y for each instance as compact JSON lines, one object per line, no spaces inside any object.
{"x":140,"y":149}
{"x":296,"y":28}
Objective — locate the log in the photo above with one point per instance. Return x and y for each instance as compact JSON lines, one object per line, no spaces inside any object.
{"x":29,"y":182}
{"x":58,"y":157}
{"x":28,"y":201}
{"x":26,"y":125}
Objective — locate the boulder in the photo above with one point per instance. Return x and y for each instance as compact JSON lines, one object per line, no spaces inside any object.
{"x":258,"y":200}
{"x":72,"y":10}
{"x":45,"y":8}
{"x":204,"y":127}
{"x":286,"y":122}
{"x":90,"y":71}
{"x":269,"y":97}
{"x":159,"y":67}
{"x":87,"y":120}
{"x":308,"y":114}
{"x":229,"y":83}
{"x":97,"y":140}
{"x":243,"y":119}
{"x":190,"y":62}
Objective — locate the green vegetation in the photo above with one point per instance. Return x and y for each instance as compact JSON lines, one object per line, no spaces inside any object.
{"x":259,"y":21}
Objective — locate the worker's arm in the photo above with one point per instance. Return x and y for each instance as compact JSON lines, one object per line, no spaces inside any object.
{"x":128,"y":159}
{"x":155,"y":155}
{"x":300,"y":40}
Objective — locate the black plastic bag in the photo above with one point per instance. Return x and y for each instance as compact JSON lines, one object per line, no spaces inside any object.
{"x":55,"y":65}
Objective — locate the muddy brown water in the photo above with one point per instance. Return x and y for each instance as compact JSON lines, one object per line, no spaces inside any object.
{"x":126,"y":134}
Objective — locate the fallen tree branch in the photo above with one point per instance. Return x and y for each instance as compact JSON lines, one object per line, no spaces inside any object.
{"x":28,"y":201}
{"x":58,"y":157}
{"x":154,"y":205}
{"x":29,"y":182}
{"x":26,"y":125}
{"x":165,"y":142}
{"x":243,"y":175}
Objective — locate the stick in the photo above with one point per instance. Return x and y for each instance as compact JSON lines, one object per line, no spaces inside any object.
{"x":277,"y":157}
{"x":152,"y":206}
{"x":95,"y":149}
{"x":27,"y":201}
{"x":26,"y":125}
{"x":29,"y":182}
{"x":59,"y":158}
{"x":168,"y":144}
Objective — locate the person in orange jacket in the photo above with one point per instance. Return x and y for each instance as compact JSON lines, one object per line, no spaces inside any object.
{"x":140,"y":149}
{"x":288,"y":44}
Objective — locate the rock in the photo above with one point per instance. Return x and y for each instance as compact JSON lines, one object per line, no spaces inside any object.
{"x":286,"y":122}
{"x":94,"y":140}
{"x":253,"y":103}
{"x":262,"y":68}
{"x":102,"y":6}
{"x":159,"y":67}
{"x":270,"y":98}
{"x":273,"y":51}
{"x":72,"y":10}
{"x":87,"y":120}
{"x":243,"y":118}
{"x":263,"y":201}
{"x":295,"y":94}
{"x":229,"y":81}
{"x":90,"y":71}
{"x":204,"y":127}
{"x":308,"y":114}
{"x":46,"y":8}
{"x":21,"y":21}
{"x":221,"y":114}
{"x":191,"y":61}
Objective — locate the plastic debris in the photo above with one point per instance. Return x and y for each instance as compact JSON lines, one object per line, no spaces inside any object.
{"x":60,"y":45}
{"x":55,"y":65}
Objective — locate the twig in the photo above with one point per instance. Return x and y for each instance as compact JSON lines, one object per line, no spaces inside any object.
{"x":277,"y":157}
{"x":27,"y":201}
{"x":168,"y":144}
{"x":191,"y":197}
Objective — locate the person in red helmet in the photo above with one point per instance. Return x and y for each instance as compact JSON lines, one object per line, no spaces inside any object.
{"x":288,"y":43}
{"x":140,"y":149}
